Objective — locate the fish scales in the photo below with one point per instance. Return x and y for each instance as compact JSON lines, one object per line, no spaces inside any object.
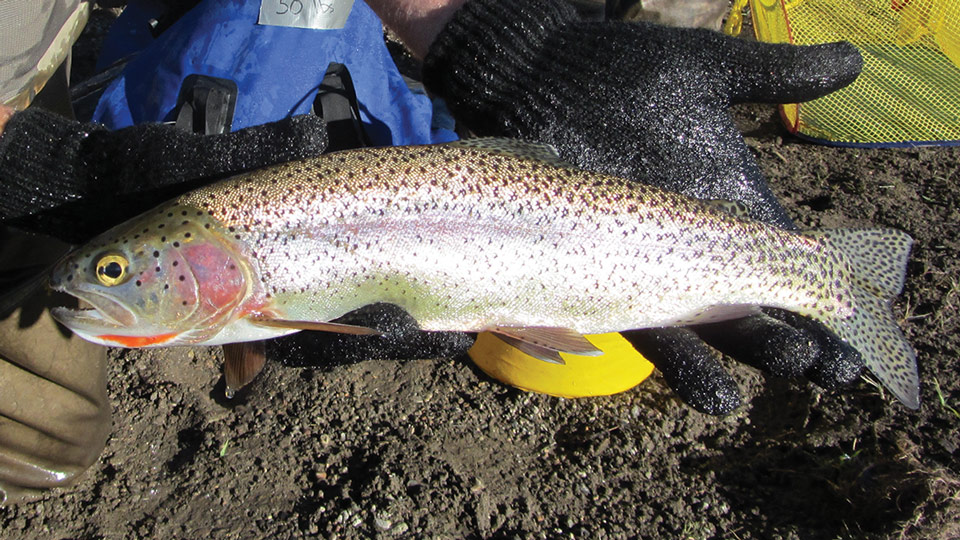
{"x":501,"y":241}
{"x":468,"y":237}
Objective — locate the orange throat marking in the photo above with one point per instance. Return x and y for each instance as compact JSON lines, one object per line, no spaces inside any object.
{"x":138,"y":341}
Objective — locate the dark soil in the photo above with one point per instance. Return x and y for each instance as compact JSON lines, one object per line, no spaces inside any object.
{"x":435,"y":448}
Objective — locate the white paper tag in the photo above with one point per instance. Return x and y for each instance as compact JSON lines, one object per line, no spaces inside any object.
{"x":316,"y":14}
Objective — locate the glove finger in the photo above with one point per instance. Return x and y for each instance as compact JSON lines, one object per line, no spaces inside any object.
{"x":31,"y":461}
{"x":690,"y":367}
{"x":289,"y":139}
{"x":152,"y":156}
{"x":402,"y":339}
{"x":128,"y":171}
{"x":779,"y":73}
{"x":735,"y":176}
{"x":765,"y":343}
{"x":837,"y":365}
{"x":20,"y":490}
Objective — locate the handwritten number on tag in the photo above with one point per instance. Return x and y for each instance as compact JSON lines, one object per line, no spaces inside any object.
{"x":294,"y":7}
{"x":316,"y":14}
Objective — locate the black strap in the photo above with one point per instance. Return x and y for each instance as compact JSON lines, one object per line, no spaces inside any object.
{"x":336,"y":103}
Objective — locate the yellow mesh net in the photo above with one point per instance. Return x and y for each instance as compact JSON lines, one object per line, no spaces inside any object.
{"x":909,"y":91}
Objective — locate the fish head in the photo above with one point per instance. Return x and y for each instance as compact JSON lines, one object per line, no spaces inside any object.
{"x":172,"y":276}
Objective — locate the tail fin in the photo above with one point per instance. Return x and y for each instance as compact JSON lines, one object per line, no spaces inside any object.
{"x":877,"y":259}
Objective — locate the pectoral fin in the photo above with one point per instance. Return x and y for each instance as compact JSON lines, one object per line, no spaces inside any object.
{"x":546,"y":343}
{"x":318,"y":326}
{"x":242,"y":362}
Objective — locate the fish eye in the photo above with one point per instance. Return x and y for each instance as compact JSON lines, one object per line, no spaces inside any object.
{"x":112,"y":269}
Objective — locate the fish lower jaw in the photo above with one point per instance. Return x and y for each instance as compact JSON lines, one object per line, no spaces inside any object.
{"x":94,"y":309}
{"x":90,"y":325}
{"x":84,"y":316}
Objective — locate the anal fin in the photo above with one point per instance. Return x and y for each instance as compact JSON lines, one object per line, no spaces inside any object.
{"x":545,"y":342}
{"x":242,"y":362}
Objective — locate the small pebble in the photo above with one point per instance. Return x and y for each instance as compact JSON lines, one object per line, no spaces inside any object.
{"x":382,"y":523}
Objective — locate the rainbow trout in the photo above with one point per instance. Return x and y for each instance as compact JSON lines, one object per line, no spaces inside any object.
{"x":487,"y":235}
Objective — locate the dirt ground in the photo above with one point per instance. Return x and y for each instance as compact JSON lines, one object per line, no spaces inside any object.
{"x":434,"y":448}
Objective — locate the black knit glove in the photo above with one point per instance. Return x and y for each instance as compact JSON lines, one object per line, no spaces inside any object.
{"x":73,"y":180}
{"x":649,"y":103}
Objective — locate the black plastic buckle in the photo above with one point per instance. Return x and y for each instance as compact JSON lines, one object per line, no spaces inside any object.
{"x":206,"y":104}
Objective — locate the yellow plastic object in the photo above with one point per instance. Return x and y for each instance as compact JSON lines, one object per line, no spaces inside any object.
{"x":618,"y":369}
{"x":734,"y":23}
{"x":909,"y":91}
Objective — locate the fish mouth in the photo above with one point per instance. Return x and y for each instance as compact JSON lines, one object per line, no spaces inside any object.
{"x":103,"y":312}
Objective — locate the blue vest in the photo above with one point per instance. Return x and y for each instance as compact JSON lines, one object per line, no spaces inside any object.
{"x":277,"y":69}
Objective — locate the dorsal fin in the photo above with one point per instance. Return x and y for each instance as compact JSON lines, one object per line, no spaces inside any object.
{"x":734,"y":208}
{"x":515,"y":148}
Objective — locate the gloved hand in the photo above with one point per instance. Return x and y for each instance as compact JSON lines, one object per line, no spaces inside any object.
{"x":649,"y":103}
{"x":54,"y":414}
{"x":72,"y":180}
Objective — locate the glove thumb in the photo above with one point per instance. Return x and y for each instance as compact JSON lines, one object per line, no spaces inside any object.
{"x":780,"y":73}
